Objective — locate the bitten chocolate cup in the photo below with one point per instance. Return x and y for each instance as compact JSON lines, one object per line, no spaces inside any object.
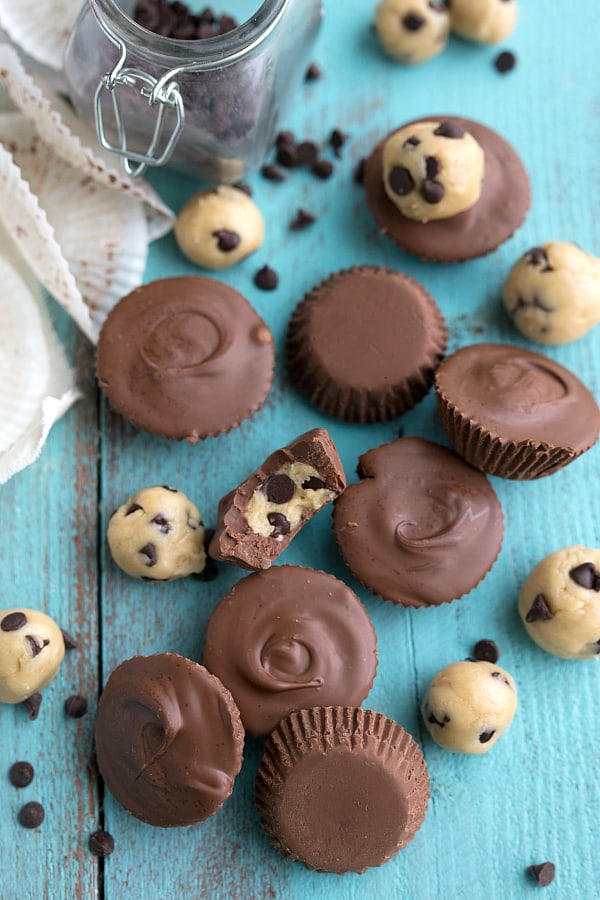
{"x":341,"y":789}
{"x":365,"y":343}
{"x":514,"y":413}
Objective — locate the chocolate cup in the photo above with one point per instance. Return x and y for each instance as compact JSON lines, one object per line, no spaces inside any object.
{"x":500,"y":210}
{"x":341,"y":789}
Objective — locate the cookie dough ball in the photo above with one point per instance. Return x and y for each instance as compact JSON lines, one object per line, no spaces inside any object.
{"x":469,"y":705}
{"x":32,"y":648}
{"x":219,"y":227}
{"x":552,"y":293}
{"x":483,"y":21}
{"x":157,"y":535}
{"x":412,"y":31}
{"x":432,"y":170}
{"x":559,"y":603}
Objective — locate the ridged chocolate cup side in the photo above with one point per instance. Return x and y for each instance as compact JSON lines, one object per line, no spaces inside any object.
{"x":341,"y":789}
{"x":360,"y":403}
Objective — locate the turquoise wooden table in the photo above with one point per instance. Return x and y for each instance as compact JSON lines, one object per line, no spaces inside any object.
{"x":536,"y":796}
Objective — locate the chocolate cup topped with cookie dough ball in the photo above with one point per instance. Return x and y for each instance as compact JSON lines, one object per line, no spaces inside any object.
{"x":499,"y":211}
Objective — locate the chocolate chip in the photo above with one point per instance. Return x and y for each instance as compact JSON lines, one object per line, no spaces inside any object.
{"x":279,"y":488}
{"x":169,"y":488}
{"x":505,"y":61}
{"x":432,"y":166}
{"x":537,"y":256}
{"x":543,"y":873}
{"x":226,"y":23}
{"x":21,"y":774}
{"x":313,"y":484}
{"x":432,"y":191}
{"x":31,"y":815}
{"x":312,"y":73}
{"x":322,"y":168}
{"x":266,"y":279}
{"x":13,"y":621}
{"x":76,"y":706}
{"x":35,"y":647}
{"x":586,"y":576}
{"x":401,"y":181}
{"x":539,"y":610}
{"x":285,"y":137}
{"x":272,"y":173}
{"x":287,"y":156}
{"x":450,"y":130}
{"x":303,"y":220}
{"x":307,"y":153}
{"x":413,"y":21}
{"x":433,"y":721}
{"x":337,"y":139}
{"x":69,"y":640}
{"x":596,"y":647}
{"x":487,"y":651}
{"x":226,"y":240}
{"x":412,"y":141}
{"x":163,"y":524}
{"x":32,"y":705}
{"x":101,"y":843}
{"x":280,"y":524}
{"x":245,"y":188}
{"x":149,"y":552}
{"x":486,"y":736}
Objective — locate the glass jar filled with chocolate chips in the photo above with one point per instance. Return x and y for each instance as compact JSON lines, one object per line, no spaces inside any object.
{"x":169,"y":82}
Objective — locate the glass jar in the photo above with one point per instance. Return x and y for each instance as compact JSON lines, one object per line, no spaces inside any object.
{"x":210,"y":107}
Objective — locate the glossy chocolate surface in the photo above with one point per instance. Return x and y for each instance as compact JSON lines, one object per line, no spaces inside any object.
{"x":422,"y":527}
{"x":168,"y":739}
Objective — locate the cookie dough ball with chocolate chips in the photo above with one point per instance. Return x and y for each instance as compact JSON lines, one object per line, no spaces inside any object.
{"x":432,"y":170}
{"x":219,"y":227}
{"x":469,"y":705}
{"x":412,"y":31}
{"x":552,"y":293}
{"x":157,"y":535}
{"x":559,"y":603}
{"x":32,"y":648}
{"x":483,"y":21}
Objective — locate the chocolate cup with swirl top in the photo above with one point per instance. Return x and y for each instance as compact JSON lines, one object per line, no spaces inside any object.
{"x":422,"y":528}
{"x":287,"y":638}
{"x":169,"y":739}
{"x":513,"y":412}
{"x":185,"y":358}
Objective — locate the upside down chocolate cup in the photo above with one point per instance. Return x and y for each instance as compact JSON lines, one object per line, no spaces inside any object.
{"x":341,"y":788}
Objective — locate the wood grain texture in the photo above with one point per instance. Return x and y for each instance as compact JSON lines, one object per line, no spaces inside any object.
{"x":536,"y":795}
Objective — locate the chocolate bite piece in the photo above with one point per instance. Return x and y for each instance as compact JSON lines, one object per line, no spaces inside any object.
{"x":169,"y":739}
{"x":500,"y":209}
{"x":514,"y":413}
{"x":364,"y":344}
{"x":422,"y":528}
{"x":185,"y":358}
{"x":258,"y":519}
{"x":341,"y":789}
{"x":288,"y":638}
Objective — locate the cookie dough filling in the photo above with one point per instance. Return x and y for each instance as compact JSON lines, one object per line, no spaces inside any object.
{"x":559,"y":603}
{"x":32,"y":648}
{"x":286,"y":497}
{"x":552,"y":293}
{"x":483,"y":21}
{"x":412,"y":31}
{"x":433,"y":170}
{"x":157,"y":535}
{"x":469,"y":705}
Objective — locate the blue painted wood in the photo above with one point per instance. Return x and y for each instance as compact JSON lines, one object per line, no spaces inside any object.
{"x":536,"y":795}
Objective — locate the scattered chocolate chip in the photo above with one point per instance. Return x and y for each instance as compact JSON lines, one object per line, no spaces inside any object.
{"x":359,"y":172}
{"x":35,"y":647}
{"x":505,"y":61}
{"x":586,"y":576}
{"x":432,"y":191}
{"x":337,"y":139}
{"x":245,"y":188}
{"x":487,"y":651}
{"x":313,"y":484}
{"x":322,"y":168}
{"x":163,"y":524}
{"x":539,"y":610}
{"x":450,"y":130}
{"x":401,"y":181}
{"x":266,"y":279}
{"x":279,"y":488}
{"x":31,"y":815}
{"x":226,"y":240}
{"x":13,"y":621}
{"x":413,"y":21}
{"x":272,"y":173}
{"x":312,"y":73}
{"x":303,"y":220}
{"x":280,"y":524}
{"x":149,"y":552}
{"x":69,"y":640}
{"x":76,"y":706}
{"x":21,"y":774}
{"x":543,"y":873}
{"x":32,"y":705}
{"x":133,"y":508}
{"x":101,"y":843}
{"x":307,"y":153}
{"x":486,"y":736}
{"x":285,"y":137}
{"x":287,"y":156}
{"x":226,"y":23}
